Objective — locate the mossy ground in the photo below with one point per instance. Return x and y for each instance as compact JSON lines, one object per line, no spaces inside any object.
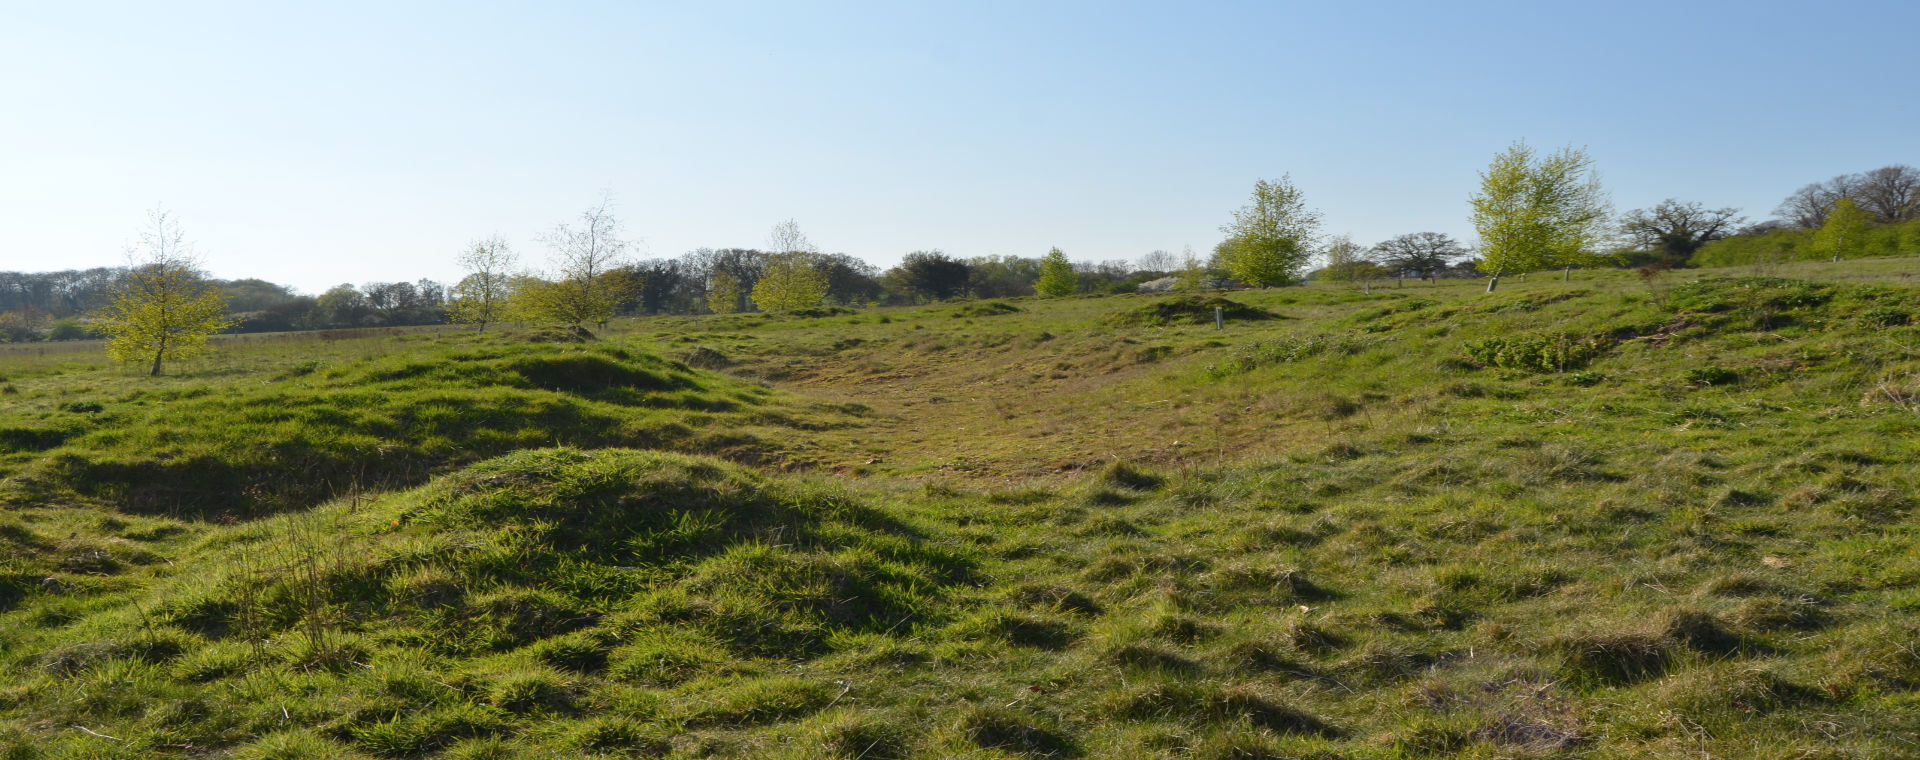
{"x":943,"y":532}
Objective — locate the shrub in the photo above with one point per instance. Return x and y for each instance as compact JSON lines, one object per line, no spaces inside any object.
{"x":1549,"y":352}
{"x":1704,"y":376}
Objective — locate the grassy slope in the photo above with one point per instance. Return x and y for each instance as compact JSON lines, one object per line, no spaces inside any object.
{"x":1330,"y":534}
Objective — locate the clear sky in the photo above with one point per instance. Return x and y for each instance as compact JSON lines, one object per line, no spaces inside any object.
{"x":319,"y":143}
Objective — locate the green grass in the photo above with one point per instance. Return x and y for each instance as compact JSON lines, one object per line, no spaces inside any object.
{"x":1404,"y":524}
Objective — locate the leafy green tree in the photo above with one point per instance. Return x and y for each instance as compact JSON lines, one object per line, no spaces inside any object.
{"x":585,"y":256}
{"x":931,"y":274}
{"x":1270,"y":239}
{"x":1057,"y":277}
{"x":723,"y":293}
{"x":481,"y":297}
{"x":68,"y":329}
{"x":996,"y":276}
{"x":165,"y":308}
{"x":1538,"y":212}
{"x":792,"y":280}
{"x":1843,"y":230}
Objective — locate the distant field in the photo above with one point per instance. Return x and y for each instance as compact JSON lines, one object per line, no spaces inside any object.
{"x":1608,"y":517}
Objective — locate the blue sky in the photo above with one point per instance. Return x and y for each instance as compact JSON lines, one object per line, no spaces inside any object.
{"x":357,"y":142}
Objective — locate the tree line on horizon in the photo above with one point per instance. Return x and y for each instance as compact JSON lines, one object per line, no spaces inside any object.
{"x":1533,"y":211}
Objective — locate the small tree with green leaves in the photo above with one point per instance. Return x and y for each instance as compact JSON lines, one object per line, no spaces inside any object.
{"x":586,"y":289}
{"x":792,"y":279}
{"x":1057,"y":277}
{"x":1845,"y":228}
{"x":723,"y":293}
{"x":1538,"y":212}
{"x":481,"y":298}
{"x":164,"y":309}
{"x":790,"y":282}
{"x":1270,"y":239}
{"x":1349,"y":262}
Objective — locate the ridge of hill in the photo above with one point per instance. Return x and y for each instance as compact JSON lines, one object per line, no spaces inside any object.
{"x":1603,"y":518}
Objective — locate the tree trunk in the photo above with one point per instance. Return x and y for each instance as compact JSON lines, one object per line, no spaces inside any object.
{"x":1568,"y":277}
{"x":1493,"y":282}
{"x":155,"y":372}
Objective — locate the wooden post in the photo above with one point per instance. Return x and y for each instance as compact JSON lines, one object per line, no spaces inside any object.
{"x":1219,"y":318}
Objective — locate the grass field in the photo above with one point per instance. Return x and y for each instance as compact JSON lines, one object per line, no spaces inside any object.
{"x":1596,"y":518}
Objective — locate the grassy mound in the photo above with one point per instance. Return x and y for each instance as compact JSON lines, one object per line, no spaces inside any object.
{"x":1187,"y":310}
{"x":544,"y":586}
{"x":985,"y":309}
{"x":1402,"y":524}
{"x":313,"y":432}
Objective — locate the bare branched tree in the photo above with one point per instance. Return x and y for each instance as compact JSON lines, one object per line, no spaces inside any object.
{"x":1420,"y":254}
{"x":786,"y":237}
{"x":1890,"y":193}
{"x":584,"y":255}
{"x":1676,"y":229}
{"x":1158,"y":261}
{"x":1807,"y":207}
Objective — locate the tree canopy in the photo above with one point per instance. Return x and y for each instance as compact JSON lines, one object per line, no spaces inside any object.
{"x":1536,"y":212}
{"x":1843,"y":230}
{"x":1271,"y":238}
{"x":1420,"y":254}
{"x":164,"y":308}
{"x":1675,"y":229}
{"x":1057,"y":277}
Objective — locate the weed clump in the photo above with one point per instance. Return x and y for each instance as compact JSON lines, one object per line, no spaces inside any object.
{"x":1539,"y":353}
{"x":1612,"y":658}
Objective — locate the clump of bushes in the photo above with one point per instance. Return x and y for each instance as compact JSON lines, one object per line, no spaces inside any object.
{"x":1539,"y":353}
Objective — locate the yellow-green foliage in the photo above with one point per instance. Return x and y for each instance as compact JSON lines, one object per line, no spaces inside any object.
{"x":791,"y":282}
{"x":1551,"y":352}
{"x":1537,"y":212}
{"x":163,"y":311}
{"x":1271,"y":238}
{"x":1841,"y":236}
{"x":1778,"y":246}
{"x":1057,"y":277}
{"x":723,"y":293}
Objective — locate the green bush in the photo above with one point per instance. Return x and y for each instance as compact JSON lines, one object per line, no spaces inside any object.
{"x":1549,"y":352}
